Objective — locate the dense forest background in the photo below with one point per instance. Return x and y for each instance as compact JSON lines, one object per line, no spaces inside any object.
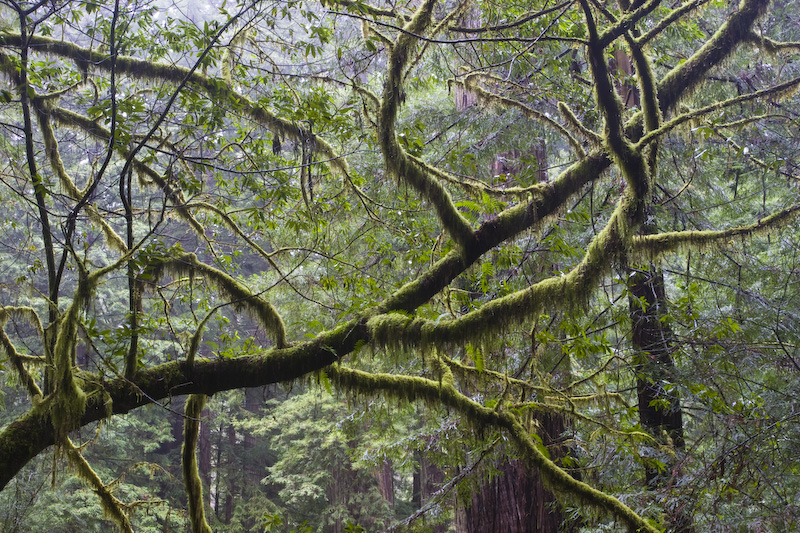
{"x":431,"y":265}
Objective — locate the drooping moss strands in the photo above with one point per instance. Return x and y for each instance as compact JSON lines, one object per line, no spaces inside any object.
{"x":239,"y":295}
{"x":68,"y":398}
{"x":416,"y":388}
{"x":191,"y":473}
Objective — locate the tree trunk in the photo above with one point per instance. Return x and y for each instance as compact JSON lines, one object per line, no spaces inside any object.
{"x":204,"y":451}
{"x":515,"y":501}
{"x":659,"y":403}
{"x":385,"y":477}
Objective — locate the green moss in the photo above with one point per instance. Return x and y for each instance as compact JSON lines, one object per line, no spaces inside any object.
{"x":652,"y":246}
{"x":113,"y":508}
{"x":240,"y":296}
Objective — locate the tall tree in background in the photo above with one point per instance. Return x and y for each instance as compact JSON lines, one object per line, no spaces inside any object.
{"x":285,"y":193}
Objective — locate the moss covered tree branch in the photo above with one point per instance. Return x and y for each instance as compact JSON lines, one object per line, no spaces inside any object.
{"x":191,"y":472}
{"x":661,"y":243}
{"x":395,"y":157}
{"x":416,"y":388}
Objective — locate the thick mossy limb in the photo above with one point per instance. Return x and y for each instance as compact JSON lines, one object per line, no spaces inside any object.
{"x":112,"y":507}
{"x":692,"y":72}
{"x":191,"y":473}
{"x":69,"y":400}
{"x":416,"y":388}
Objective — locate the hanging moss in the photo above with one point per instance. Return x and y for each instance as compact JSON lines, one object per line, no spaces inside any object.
{"x":68,"y":400}
{"x":113,"y":508}
{"x":239,"y":295}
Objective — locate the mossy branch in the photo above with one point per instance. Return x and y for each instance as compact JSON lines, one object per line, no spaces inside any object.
{"x":173,"y":73}
{"x":194,"y":343}
{"x":114,"y":241}
{"x":112,"y":507}
{"x":191,"y":473}
{"x":476,"y":186}
{"x":627,"y":22}
{"x":771,"y":46}
{"x":688,"y":75}
{"x":471,"y":84}
{"x":667,"y":21}
{"x":782,"y":90}
{"x":661,"y":243}
{"x":397,"y":161}
{"x":416,"y":388}
{"x":188,"y":264}
{"x":398,"y":330}
{"x":29,"y":315}
{"x":71,"y":119}
{"x":577,"y":125}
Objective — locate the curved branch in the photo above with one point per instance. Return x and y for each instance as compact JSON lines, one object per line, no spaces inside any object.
{"x":416,"y":388}
{"x":184,"y":264}
{"x":395,"y":157}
